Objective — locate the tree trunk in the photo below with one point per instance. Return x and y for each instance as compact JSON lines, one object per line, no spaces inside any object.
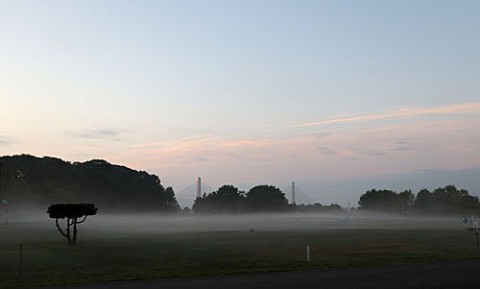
{"x":69,"y":235}
{"x":74,"y":238}
{"x":65,"y":233}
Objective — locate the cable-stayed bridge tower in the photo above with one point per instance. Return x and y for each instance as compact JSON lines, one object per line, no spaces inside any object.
{"x":199,"y":187}
{"x":293,"y":193}
{"x":296,"y":195}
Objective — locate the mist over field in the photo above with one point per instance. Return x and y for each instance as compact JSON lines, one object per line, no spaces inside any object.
{"x":151,"y":246}
{"x":269,"y":222}
{"x":138,"y":223}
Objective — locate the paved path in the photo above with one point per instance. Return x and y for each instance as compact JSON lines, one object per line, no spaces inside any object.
{"x":455,"y":275}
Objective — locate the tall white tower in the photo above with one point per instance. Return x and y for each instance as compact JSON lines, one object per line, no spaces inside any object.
{"x":199,"y":187}
{"x":293,"y":193}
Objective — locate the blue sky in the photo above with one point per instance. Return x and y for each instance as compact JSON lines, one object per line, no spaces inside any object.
{"x":245,"y":92}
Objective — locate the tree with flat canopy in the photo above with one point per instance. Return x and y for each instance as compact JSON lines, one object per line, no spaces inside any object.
{"x":74,"y":214}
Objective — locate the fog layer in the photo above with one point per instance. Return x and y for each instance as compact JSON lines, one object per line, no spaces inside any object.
{"x":158,"y":223}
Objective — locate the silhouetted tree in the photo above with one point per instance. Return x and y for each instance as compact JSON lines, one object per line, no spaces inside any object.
{"x":204,"y":204}
{"x":74,"y":214}
{"x":451,"y":200}
{"x":227,"y":199}
{"x":423,"y":200}
{"x":169,"y":201}
{"x":406,"y":200}
{"x":265,"y":198}
{"x":379,"y":200}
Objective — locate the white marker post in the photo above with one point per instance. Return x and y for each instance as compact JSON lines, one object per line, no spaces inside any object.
{"x":20,"y":265}
{"x":308,"y":253}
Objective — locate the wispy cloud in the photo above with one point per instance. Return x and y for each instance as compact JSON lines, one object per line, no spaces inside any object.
{"x":327,"y":151}
{"x":98,"y":134}
{"x":248,"y":143}
{"x":166,"y":143}
{"x":402,"y":145}
{"x":464,"y":108}
{"x":5,"y":141}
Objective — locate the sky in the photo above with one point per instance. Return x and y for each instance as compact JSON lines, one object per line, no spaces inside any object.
{"x":338,"y":96}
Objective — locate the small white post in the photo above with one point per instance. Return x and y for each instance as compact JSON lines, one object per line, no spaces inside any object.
{"x":20,"y":265}
{"x":308,"y":253}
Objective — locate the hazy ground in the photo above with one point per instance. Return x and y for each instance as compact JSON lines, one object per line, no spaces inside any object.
{"x":446,"y":275}
{"x":125,"y":247}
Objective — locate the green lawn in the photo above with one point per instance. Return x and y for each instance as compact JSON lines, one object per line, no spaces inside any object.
{"x":106,"y":252}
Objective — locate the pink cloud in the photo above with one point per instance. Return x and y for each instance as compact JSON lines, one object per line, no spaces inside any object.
{"x":382,"y":149}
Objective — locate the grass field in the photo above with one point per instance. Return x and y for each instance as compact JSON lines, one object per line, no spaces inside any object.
{"x":122,"y":248}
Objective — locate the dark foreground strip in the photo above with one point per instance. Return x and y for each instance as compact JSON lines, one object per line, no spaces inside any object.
{"x":455,"y":275}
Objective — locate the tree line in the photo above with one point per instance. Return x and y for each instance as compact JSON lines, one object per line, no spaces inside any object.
{"x":446,"y":200}
{"x":25,"y":179}
{"x":261,"y":198}
{"x":30,"y":180}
